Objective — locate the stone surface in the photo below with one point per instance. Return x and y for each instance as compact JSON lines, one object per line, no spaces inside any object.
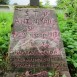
{"x":34,"y":3}
{"x":35,"y":44}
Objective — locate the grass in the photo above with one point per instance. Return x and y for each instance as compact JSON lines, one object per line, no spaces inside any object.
{"x":6,"y":19}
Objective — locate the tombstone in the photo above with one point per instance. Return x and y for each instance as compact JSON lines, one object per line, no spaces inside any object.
{"x":34,"y":3}
{"x":6,"y":8}
{"x":36,"y":47}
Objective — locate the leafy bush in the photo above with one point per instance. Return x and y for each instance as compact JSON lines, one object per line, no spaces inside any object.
{"x":4,"y":2}
{"x":5,"y":29}
{"x":68,"y":28}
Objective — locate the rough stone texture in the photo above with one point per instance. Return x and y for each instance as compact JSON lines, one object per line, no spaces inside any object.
{"x":41,"y":74}
{"x":35,"y":43}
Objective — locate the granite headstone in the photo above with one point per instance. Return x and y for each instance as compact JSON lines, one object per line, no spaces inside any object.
{"x":34,"y":3}
{"x":36,"y":47}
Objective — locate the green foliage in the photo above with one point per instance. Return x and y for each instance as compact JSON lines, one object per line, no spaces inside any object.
{"x":5,"y":30}
{"x":64,"y":75}
{"x":67,"y":17}
{"x":46,"y":5}
{"x":4,"y":1}
{"x":51,"y":73}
